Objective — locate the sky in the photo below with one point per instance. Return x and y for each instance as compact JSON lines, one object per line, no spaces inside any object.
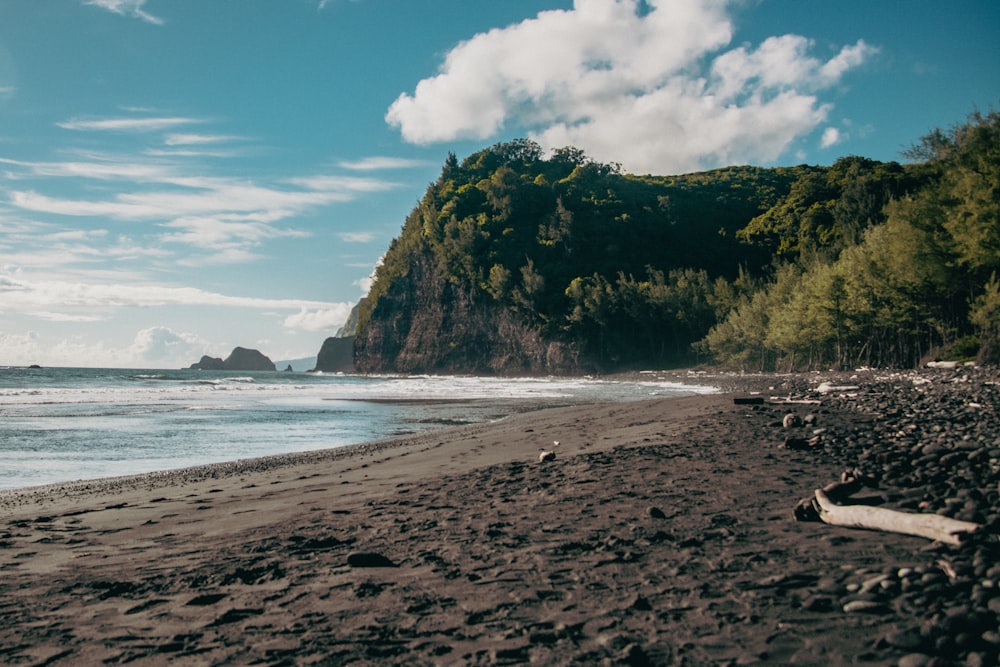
{"x":179,"y":177}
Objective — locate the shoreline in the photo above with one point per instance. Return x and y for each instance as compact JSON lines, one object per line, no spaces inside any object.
{"x":266,"y":464}
{"x":662,"y":533}
{"x":72,"y":450}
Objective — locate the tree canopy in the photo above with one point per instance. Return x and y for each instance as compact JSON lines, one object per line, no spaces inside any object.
{"x":861,"y":262}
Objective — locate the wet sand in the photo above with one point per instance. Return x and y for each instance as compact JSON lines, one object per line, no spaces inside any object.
{"x":662,"y":533}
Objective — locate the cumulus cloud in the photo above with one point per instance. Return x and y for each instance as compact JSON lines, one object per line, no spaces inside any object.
{"x":158,"y":347}
{"x":319,"y":319}
{"x":366,"y":283}
{"x":162,"y":344}
{"x":20,"y":348}
{"x":648,"y":84}
{"x":831,"y":137}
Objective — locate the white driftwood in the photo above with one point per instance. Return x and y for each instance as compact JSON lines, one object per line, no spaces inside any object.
{"x":931,"y":526}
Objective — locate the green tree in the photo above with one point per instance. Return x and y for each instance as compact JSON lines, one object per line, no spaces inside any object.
{"x":985,"y":316}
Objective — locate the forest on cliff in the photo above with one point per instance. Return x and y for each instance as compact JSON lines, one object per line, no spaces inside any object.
{"x":857,"y":263}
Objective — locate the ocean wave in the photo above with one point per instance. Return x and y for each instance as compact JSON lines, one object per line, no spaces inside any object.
{"x":216,"y":382}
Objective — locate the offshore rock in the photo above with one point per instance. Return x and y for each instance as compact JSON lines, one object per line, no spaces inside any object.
{"x":240,"y":359}
{"x":208,"y":363}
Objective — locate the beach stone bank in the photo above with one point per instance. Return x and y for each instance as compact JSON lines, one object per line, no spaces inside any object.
{"x":928,"y":442}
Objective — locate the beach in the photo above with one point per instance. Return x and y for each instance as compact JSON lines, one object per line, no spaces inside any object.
{"x":662,"y":532}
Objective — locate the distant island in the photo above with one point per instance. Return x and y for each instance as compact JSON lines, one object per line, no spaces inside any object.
{"x":240,"y":359}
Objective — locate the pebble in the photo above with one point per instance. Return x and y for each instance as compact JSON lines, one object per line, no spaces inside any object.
{"x":367,"y":559}
{"x":908,"y":639}
{"x":791,"y":420}
{"x":914,"y":660}
{"x":865,"y":607}
{"x":917,"y":438}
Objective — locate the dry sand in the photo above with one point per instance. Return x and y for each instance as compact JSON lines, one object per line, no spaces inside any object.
{"x":662,"y":533}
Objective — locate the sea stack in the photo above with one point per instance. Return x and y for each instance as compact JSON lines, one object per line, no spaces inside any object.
{"x":240,"y":359}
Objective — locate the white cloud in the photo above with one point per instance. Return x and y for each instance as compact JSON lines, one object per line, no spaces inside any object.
{"x":227,"y":236}
{"x":375,"y":163}
{"x":180,"y":139}
{"x":344,"y":184}
{"x":227,"y":216}
{"x":19,"y":348}
{"x":324,"y":3}
{"x":188,"y":195}
{"x":189,"y":152}
{"x":31,"y":296}
{"x":320,"y":319}
{"x":132,"y":8}
{"x":366,"y":283}
{"x":356,"y":237}
{"x":831,"y":137}
{"x":65,"y":317}
{"x":73,"y":255}
{"x":171,"y":201}
{"x":162,"y":344}
{"x":158,"y":347}
{"x":149,"y":124}
{"x":97,"y":169}
{"x":652,"y":89}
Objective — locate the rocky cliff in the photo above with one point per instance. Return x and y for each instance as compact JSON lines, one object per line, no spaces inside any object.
{"x":240,"y":359}
{"x":336,"y":355}
{"x":426,"y":324}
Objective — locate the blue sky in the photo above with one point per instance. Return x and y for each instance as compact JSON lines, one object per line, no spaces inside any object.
{"x":178,"y":177}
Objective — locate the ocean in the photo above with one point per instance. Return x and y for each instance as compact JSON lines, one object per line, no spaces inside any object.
{"x":66,"y":424}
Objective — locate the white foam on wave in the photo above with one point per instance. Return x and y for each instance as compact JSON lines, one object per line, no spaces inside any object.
{"x":92,"y":424}
{"x":345,"y":387}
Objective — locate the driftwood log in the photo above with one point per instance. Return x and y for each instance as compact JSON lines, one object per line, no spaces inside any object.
{"x":931,"y":526}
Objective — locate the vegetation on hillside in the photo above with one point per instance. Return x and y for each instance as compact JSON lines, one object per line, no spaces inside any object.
{"x":862,"y":262}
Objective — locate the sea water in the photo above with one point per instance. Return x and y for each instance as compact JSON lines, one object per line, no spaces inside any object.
{"x":64,"y":424}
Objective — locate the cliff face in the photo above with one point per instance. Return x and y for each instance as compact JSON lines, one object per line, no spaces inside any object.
{"x":240,"y":359}
{"x":336,"y":355}
{"x":425,"y":324}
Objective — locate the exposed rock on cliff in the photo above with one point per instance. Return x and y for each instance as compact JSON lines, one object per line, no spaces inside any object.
{"x":240,"y":359}
{"x":336,"y":355}
{"x":350,"y":328}
{"x":425,"y":324}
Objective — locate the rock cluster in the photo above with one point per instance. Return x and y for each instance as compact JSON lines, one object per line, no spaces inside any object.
{"x":930,"y":442}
